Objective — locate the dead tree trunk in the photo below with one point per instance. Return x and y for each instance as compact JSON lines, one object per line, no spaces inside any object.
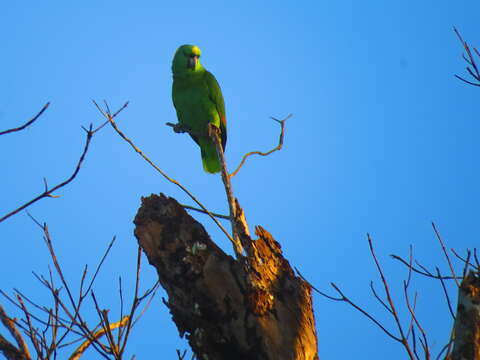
{"x":251,"y":308}
{"x":466,"y":345}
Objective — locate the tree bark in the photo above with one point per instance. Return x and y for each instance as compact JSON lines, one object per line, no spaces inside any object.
{"x":466,"y":344}
{"x":251,"y":308}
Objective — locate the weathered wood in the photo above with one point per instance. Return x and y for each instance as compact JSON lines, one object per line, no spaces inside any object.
{"x":466,"y":344}
{"x":251,"y":308}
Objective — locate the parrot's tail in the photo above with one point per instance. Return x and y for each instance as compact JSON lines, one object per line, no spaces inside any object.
{"x":211,"y":163}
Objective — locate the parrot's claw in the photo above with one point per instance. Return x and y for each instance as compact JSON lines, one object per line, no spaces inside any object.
{"x":179,"y":128}
{"x":213,"y":130}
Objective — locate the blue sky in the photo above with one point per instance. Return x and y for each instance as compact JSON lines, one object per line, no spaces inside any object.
{"x":383,"y":140}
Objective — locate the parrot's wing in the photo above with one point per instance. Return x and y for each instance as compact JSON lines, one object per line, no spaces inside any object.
{"x":215,"y":95}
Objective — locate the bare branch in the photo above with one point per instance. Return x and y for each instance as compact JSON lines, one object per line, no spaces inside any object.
{"x":278,"y":147}
{"x":22,"y":351}
{"x":32,"y":332}
{"x":375,"y":321}
{"x":447,"y":297}
{"x":214,"y":133}
{"x":28,"y":123}
{"x":390,"y":300}
{"x":466,"y":81}
{"x":466,"y":261}
{"x":425,"y":272}
{"x":472,"y":69}
{"x":135,"y":302}
{"x":424,"y":342}
{"x":49,"y":192}
{"x":315,"y":289}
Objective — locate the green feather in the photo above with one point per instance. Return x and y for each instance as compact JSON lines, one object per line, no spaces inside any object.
{"x":198,"y":100}
{"x":211,"y":163}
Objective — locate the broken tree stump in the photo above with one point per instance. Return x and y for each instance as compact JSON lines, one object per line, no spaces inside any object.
{"x":251,"y":308}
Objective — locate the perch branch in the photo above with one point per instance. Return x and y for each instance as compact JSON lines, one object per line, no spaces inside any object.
{"x":28,"y":123}
{"x":214,"y":133}
{"x":278,"y":147}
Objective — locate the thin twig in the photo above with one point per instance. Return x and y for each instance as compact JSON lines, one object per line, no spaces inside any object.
{"x":314,"y":288}
{"x":446,"y":294}
{"x":104,"y":323}
{"x":134,"y":302}
{"x":412,"y":320}
{"x":379,"y":299}
{"x":425,"y":271}
{"x":390,"y":300}
{"x":120,"y":290}
{"x":417,"y":323}
{"x":466,"y":261}
{"x":220,"y":216}
{"x":32,"y":332}
{"x":475,"y":73}
{"x":97,"y":270}
{"x":152,"y":294}
{"x":28,"y":123}
{"x":113,"y":116}
{"x":406,"y":285}
{"x":476,"y":259}
{"x":445,"y":347}
{"x":76,"y":306}
{"x":278,"y":147}
{"x":410,"y":260}
{"x":444,"y":249}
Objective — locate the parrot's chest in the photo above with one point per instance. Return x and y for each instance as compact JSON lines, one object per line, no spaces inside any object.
{"x":193,"y":104}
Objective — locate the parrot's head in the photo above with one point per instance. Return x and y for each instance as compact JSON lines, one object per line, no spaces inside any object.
{"x":186,"y":60}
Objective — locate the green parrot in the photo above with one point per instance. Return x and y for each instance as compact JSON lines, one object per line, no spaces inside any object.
{"x":199,"y":101}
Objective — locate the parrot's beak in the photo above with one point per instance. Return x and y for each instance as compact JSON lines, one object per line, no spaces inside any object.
{"x":192,"y":62}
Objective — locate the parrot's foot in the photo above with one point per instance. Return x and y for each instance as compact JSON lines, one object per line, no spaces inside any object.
{"x":180,"y":128}
{"x":213,"y":131}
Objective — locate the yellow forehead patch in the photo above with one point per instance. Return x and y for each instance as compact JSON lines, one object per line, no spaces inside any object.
{"x":196,"y":50}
